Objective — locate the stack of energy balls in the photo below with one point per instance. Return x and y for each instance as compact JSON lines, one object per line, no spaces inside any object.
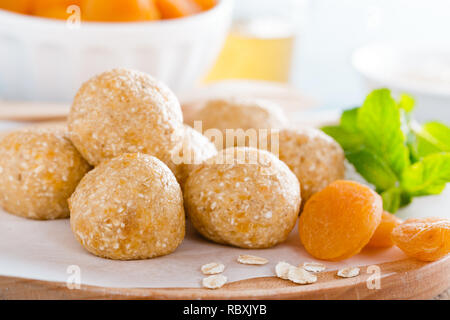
{"x":126,"y":168}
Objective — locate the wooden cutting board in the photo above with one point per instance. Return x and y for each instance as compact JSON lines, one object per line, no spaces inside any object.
{"x":406,"y":279}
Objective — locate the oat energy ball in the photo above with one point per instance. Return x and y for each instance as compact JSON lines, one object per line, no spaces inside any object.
{"x":241,"y":115}
{"x":194,"y":149}
{"x":124,"y":111}
{"x":243,"y":197}
{"x":129,"y":207}
{"x":39,"y":170}
{"x":314,"y":157}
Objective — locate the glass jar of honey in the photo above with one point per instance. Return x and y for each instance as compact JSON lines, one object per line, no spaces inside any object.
{"x":261,"y":41}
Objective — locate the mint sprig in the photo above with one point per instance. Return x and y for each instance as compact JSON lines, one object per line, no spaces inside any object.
{"x":401,"y":158}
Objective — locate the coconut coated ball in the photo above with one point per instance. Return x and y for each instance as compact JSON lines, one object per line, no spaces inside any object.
{"x":194,"y":149}
{"x":314,"y":157}
{"x":243,"y":114}
{"x":39,"y":170}
{"x":243,"y":197}
{"x":124,"y":111}
{"x":127,"y":208}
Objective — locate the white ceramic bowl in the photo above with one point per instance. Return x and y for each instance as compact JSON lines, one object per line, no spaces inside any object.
{"x":45,"y":60}
{"x":422,"y":70}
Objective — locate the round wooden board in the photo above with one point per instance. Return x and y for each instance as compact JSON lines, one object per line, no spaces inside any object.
{"x":405,"y":279}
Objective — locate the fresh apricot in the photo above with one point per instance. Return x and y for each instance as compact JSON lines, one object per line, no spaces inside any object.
{"x":110,"y":10}
{"x":59,"y":12}
{"x":53,"y":13}
{"x":19,"y":6}
{"x":54,"y":9}
{"x":119,"y":10}
{"x":382,"y":236}
{"x":206,"y":4}
{"x":338,"y":221}
{"x":424,"y":239}
{"x":41,"y":5}
{"x":177,"y":8}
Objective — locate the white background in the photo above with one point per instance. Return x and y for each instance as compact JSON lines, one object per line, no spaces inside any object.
{"x":335,"y":28}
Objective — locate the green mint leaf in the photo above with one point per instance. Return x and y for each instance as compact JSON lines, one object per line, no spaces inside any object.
{"x":428,"y":176}
{"x":349,"y":120}
{"x":391,"y":151}
{"x":392,"y":199}
{"x":432,"y":137}
{"x":405,"y":199}
{"x":406,"y":102}
{"x":379,"y":123}
{"x":411,"y":138}
{"x":348,"y":140}
{"x":440,"y":132}
{"x":373,"y":168}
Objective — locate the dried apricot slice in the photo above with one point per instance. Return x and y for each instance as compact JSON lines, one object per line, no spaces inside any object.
{"x":382,"y":236}
{"x":177,"y":8}
{"x":206,"y":4}
{"x":20,"y":6}
{"x":424,"y":239}
{"x":53,"y":13}
{"x":339,"y":221}
{"x":119,"y":10}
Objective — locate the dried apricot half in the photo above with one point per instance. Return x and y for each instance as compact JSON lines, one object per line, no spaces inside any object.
{"x":382,"y":236}
{"x":19,"y":6}
{"x":424,"y":239}
{"x":177,"y":8}
{"x":206,"y":4}
{"x":339,"y":221}
{"x":119,"y":10}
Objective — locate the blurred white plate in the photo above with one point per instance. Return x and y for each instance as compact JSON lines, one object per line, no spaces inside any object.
{"x":46,"y":60}
{"x":422,"y":70}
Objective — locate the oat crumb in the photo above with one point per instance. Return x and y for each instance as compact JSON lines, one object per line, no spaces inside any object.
{"x":314,"y":266}
{"x":213,"y":268}
{"x":254,"y":260}
{"x":282,"y":270}
{"x":300,"y":275}
{"x":214,"y":282}
{"x":348,"y":272}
